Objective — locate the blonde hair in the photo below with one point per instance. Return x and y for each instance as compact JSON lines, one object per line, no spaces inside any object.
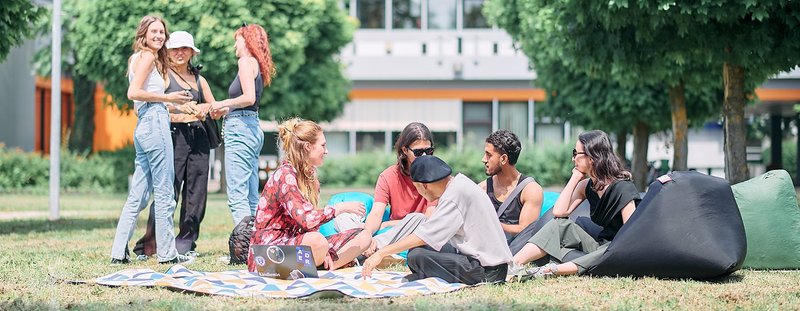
{"x":295,"y":135}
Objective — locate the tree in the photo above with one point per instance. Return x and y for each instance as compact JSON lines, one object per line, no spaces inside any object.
{"x":304,"y":37}
{"x":17,"y":20}
{"x":590,"y":67}
{"x":586,"y":38}
{"x":615,"y":108}
{"x":81,"y":135}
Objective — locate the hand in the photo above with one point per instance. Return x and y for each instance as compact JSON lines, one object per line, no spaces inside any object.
{"x":577,"y":174}
{"x":219,"y":113}
{"x":350,"y":207}
{"x":188,"y":107}
{"x":202,"y":111}
{"x":328,"y":263}
{"x":179,"y":97}
{"x":373,"y":247}
{"x":370,"y":264}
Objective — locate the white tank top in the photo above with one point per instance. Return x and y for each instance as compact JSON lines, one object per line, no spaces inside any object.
{"x":154,"y":83}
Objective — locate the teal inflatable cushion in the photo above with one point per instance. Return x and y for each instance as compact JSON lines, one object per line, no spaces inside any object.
{"x":548,"y":200}
{"x":768,"y":204}
{"x":328,"y":229}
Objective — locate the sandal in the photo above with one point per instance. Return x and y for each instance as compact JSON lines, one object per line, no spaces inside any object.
{"x":547,"y":271}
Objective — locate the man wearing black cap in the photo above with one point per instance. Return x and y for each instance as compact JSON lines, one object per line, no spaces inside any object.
{"x":456,"y":243}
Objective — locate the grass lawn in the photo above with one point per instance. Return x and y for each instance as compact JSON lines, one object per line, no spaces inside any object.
{"x":37,"y":257}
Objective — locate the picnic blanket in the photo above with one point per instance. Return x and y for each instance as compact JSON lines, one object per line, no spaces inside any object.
{"x":241,"y":283}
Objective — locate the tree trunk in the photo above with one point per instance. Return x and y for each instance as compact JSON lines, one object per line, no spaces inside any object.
{"x":735,"y":136}
{"x":641,"y":140}
{"x":622,"y":145}
{"x":680,"y":127}
{"x":81,"y":138}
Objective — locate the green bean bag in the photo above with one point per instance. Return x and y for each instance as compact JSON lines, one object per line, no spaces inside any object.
{"x":768,"y":204}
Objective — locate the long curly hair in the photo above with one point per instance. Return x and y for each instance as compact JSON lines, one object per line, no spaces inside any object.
{"x":257,"y":42}
{"x":606,"y":166}
{"x":140,"y":43}
{"x":295,"y":135}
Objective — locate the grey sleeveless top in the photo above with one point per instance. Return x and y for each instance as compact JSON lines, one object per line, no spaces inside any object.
{"x":235,"y":90}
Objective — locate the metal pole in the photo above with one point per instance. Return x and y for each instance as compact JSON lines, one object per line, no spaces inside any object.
{"x":55,"y":111}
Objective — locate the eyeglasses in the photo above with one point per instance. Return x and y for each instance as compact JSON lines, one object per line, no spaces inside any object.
{"x":575,"y":153}
{"x":421,"y":151}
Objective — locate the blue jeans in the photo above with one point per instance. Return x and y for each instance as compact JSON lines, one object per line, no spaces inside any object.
{"x":155,"y":171}
{"x":243,"y":142}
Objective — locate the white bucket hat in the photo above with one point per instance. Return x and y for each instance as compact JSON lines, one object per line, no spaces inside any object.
{"x":179,"y":39}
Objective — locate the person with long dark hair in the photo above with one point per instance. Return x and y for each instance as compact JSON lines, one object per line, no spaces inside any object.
{"x":154,"y":169}
{"x":243,"y":136}
{"x":394,"y":188}
{"x":612,"y":199}
{"x":191,"y":145}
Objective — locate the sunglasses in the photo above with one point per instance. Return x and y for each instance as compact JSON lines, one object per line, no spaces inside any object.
{"x":422,"y":151}
{"x":575,"y":153}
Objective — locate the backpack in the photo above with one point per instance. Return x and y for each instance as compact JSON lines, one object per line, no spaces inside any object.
{"x":239,"y":241}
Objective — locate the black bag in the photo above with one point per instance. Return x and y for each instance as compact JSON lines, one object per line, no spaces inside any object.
{"x":239,"y":241}
{"x":212,"y":129}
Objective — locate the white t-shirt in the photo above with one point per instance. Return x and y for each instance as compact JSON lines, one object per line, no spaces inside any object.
{"x":466,"y":218}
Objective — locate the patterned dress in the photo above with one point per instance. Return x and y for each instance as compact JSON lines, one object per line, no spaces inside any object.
{"x":284,"y":216}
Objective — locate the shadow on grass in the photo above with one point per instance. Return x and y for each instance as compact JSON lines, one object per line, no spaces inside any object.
{"x":24,"y":226}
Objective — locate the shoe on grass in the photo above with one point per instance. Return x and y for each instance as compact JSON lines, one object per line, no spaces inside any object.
{"x":523,"y":275}
{"x":192,"y":254}
{"x":183,"y":259}
{"x":142,"y":257}
{"x":123,"y":261}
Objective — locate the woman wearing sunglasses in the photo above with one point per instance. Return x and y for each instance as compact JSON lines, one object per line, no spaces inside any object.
{"x":612,"y":200}
{"x":394,"y":188}
{"x":243,"y":137}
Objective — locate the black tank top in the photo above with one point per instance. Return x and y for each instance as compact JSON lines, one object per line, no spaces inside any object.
{"x":511,"y":214}
{"x":235,"y":90}
{"x":175,"y":87}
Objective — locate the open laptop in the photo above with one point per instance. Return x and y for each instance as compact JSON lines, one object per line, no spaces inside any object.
{"x":288,"y":262}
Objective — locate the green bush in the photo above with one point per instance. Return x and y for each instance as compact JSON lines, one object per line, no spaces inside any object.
{"x":550,"y":164}
{"x":788,"y":157}
{"x":102,"y":172}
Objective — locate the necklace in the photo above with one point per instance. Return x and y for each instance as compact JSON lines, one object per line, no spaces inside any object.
{"x":182,"y":79}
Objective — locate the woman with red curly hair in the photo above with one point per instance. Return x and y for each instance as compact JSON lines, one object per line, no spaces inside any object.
{"x":242,"y":135}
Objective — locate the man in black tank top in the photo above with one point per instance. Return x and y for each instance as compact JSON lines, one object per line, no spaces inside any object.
{"x":501,"y":152}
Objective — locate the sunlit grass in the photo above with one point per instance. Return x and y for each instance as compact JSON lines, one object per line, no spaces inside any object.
{"x":37,"y":257}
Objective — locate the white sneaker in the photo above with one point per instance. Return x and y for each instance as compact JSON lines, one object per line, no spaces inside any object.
{"x":182,"y":259}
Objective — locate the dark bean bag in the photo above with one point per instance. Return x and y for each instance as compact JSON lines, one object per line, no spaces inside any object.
{"x":687,"y":226}
{"x":768,"y":204}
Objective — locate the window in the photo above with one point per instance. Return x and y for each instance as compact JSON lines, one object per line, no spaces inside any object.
{"x":406,"y":14}
{"x":444,"y":140}
{"x":513,"y":116}
{"x":477,"y":123}
{"x":338,"y":142}
{"x":549,"y":133}
{"x":371,"y":13}
{"x":370,"y":141}
{"x":442,"y":14}
{"x":270,"y":146}
{"x":473,"y":14}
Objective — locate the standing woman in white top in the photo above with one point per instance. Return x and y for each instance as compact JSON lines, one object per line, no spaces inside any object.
{"x":155,"y":170}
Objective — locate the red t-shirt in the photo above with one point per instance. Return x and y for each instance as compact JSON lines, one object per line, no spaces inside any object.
{"x":398,"y":191}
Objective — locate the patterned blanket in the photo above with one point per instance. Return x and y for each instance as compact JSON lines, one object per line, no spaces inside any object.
{"x":240,"y":283}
